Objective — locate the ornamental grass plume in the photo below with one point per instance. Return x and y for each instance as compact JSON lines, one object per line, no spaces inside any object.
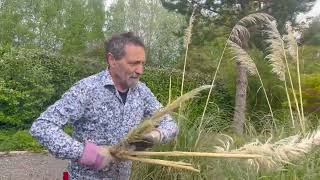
{"x":186,"y":42}
{"x":275,"y":155}
{"x":291,"y":43}
{"x":275,"y":48}
{"x":240,"y":33}
{"x":243,"y":58}
{"x":280,"y":65}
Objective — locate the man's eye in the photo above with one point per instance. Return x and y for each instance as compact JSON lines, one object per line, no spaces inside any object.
{"x":136,"y":63}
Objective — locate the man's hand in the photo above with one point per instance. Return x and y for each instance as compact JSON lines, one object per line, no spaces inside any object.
{"x":148,"y":140}
{"x":97,"y":157}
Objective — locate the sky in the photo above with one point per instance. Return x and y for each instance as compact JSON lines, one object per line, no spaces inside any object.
{"x":107,"y":3}
{"x":315,"y":11}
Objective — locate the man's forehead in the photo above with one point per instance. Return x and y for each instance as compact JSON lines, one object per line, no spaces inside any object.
{"x":132,"y":45}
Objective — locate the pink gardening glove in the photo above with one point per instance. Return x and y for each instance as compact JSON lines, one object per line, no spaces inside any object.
{"x":97,"y":157}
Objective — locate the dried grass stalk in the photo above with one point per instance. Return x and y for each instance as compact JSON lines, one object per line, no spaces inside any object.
{"x":293,"y":50}
{"x":194,"y":154}
{"x":173,"y":164}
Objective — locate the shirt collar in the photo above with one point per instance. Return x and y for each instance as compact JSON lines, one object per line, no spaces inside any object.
{"x":106,"y":78}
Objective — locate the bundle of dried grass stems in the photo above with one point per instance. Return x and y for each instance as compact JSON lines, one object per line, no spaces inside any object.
{"x":123,"y":150}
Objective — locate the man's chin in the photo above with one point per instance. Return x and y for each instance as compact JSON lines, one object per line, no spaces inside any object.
{"x":133,"y":84}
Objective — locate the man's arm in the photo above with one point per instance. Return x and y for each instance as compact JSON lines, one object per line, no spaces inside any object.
{"x":167,"y":127}
{"x":48,"y":128}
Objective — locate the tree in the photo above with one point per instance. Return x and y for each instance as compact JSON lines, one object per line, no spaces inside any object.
{"x":61,"y":26}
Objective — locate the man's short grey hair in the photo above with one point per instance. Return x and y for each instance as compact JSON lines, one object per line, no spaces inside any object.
{"x":115,"y":45}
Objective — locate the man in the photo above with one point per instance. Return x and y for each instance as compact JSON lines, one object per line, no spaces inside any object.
{"x":102,"y":109}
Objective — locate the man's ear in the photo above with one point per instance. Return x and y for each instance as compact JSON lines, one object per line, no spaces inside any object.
{"x":110,"y":59}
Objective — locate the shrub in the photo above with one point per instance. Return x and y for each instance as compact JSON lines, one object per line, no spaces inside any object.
{"x":21,"y":140}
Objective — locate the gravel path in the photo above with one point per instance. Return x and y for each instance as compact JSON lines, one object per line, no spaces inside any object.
{"x":31,"y":166}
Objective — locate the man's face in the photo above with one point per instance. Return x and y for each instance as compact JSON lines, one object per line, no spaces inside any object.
{"x":127,"y":70}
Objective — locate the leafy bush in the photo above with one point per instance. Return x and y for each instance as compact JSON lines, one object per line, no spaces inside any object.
{"x":21,"y":140}
{"x":31,"y":79}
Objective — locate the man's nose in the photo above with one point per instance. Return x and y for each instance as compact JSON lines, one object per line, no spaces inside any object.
{"x":139,"y":69}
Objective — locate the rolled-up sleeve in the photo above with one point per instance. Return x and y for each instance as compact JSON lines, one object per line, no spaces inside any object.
{"x":168,"y":127}
{"x":48,"y":128}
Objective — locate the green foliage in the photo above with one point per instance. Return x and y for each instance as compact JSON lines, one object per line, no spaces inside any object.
{"x":203,"y":58}
{"x":311,"y":93}
{"x":20,"y":140}
{"x":221,"y":100}
{"x":24,"y":87}
{"x":309,"y":59}
{"x":70,"y":27}
{"x":30,"y":80}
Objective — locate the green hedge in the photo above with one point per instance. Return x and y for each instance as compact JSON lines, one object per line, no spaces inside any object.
{"x":158,"y":80}
{"x":31,"y":80}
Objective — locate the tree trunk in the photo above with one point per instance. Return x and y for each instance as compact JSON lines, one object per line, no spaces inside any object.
{"x":239,"y":115}
{"x":240,"y":99}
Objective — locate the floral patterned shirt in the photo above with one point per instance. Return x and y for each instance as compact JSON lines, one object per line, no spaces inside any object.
{"x":95,"y":109}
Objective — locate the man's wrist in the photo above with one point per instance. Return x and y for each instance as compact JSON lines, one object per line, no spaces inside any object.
{"x":89,"y":154}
